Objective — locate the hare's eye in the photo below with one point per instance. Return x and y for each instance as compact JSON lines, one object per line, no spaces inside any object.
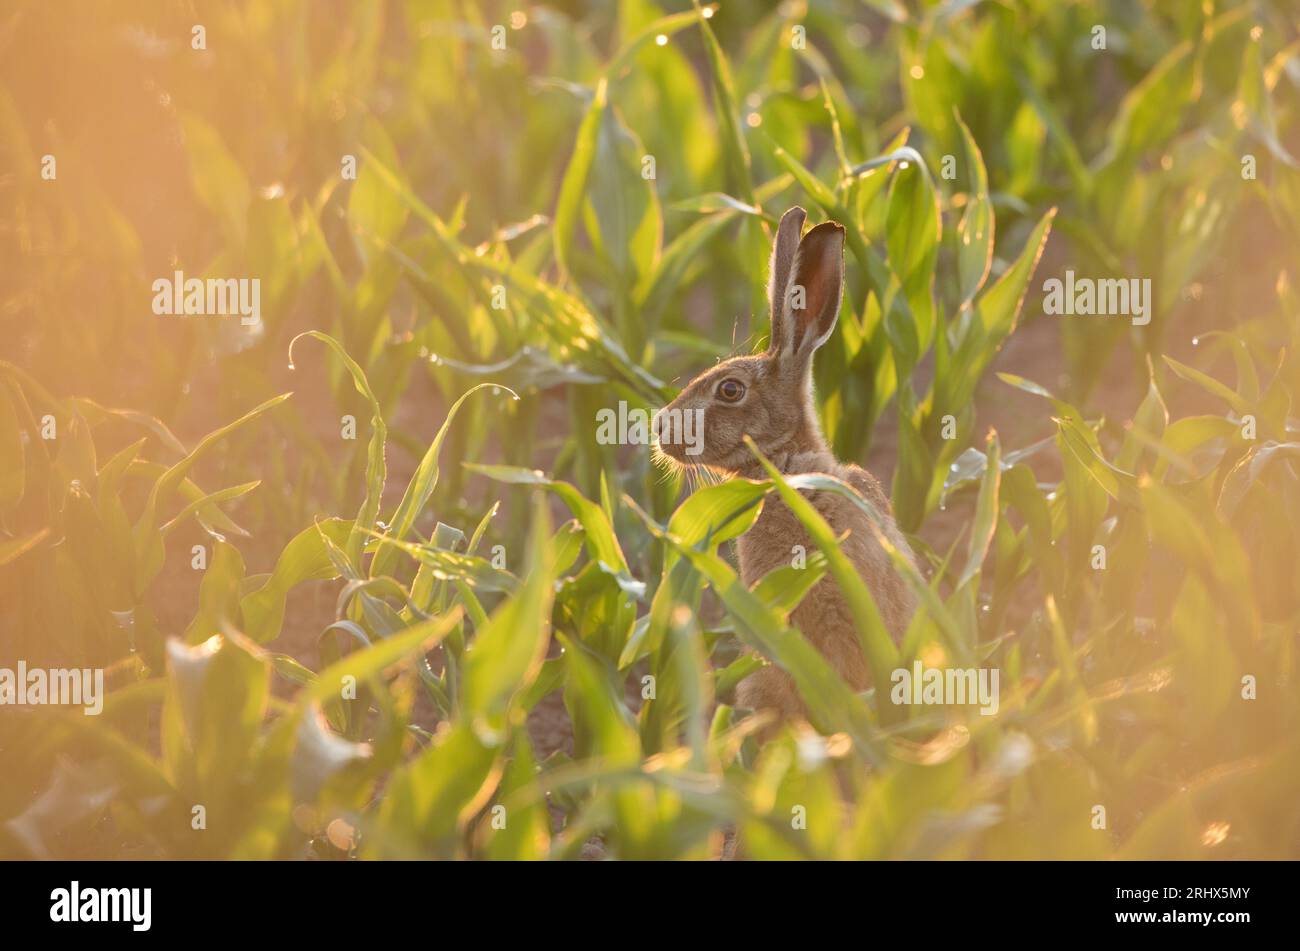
{"x":730,"y":391}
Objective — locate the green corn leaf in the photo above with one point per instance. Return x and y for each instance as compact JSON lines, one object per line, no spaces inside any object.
{"x":147,"y":540}
{"x":734,"y":148}
{"x":376,"y":469}
{"x":372,"y":660}
{"x":1209,"y":384}
{"x":305,"y":558}
{"x":975,"y":232}
{"x":601,"y":539}
{"x":209,"y":499}
{"x":986,"y":513}
{"x":573,"y":187}
{"x":507,"y":653}
{"x":421,"y":486}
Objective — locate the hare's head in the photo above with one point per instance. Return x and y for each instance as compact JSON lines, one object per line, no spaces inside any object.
{"x":767,"y":396}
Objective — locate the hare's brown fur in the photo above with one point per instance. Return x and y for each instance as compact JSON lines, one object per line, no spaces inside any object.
{"x":776,"y":410}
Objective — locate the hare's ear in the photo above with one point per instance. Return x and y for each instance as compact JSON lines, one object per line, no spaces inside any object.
{"x":784,"y":247}
{"x":812,"y":300}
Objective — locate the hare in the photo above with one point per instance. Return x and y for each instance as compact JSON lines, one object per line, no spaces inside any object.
{"x":769,"y":397}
